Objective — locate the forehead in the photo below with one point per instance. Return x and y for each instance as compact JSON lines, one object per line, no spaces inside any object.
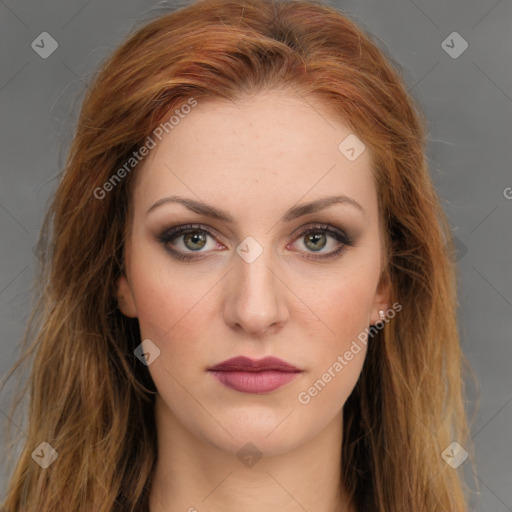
{"x":267,"y":149}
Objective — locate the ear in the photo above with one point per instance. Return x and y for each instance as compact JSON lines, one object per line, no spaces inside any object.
{"x":125,"y":301}
{"x":382,"y":299}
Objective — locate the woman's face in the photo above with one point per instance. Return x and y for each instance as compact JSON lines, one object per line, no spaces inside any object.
{"x":264,"y":283}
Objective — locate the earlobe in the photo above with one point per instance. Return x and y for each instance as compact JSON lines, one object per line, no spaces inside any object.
{"x":125,"y":301}
{"x":381,"y":302}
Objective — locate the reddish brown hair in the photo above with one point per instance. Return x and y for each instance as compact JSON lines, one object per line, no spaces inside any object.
{"x":92,"y":401}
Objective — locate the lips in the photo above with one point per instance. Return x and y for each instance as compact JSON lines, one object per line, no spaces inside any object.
{"x":254,"y":376}
{"x":246,"y":364}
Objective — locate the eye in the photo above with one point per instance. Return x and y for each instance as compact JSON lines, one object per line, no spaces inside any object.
{"x":182,"y":241}
{"x":316,"y":238}
{"x":194,"y":238}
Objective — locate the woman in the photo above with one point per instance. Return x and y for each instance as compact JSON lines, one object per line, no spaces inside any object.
{"x":307,"y":356}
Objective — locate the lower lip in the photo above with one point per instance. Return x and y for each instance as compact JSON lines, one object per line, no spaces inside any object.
{"x":254,"y":382}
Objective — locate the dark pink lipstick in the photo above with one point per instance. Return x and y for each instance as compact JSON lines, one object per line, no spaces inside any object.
{"x":254,"y":376}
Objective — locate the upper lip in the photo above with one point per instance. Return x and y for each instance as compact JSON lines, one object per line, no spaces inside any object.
{"x":246,"y":364}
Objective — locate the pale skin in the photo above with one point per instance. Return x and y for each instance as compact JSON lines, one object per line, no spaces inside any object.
{"x":255,"y":159}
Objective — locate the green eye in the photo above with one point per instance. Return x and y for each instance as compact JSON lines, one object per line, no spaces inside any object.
{"x":195,"y":238}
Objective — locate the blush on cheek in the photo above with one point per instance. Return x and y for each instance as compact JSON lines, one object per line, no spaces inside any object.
{"x":171,"y":316}
{"x":351,"y":310}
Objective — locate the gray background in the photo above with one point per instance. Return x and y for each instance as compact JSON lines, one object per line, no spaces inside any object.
{"x":468,"y":103}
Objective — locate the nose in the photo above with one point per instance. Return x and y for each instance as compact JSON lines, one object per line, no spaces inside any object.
{"x":256,"y":296}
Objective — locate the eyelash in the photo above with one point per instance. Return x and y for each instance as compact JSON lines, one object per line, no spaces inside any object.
{"x":174,"y":233}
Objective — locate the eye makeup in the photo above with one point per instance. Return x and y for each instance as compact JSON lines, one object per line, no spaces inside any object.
{"x":169,"y":236}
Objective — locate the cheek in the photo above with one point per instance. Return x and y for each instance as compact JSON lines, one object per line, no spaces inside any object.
{"x":345,"y":309}
{"x":344,"y":304}
{"x":338,"y":359}
{"x":168,"y":305}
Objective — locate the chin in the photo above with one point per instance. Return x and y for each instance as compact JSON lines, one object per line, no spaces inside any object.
{"x":272,"y":433}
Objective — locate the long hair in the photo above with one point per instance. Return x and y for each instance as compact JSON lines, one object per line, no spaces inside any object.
{"x":90,"y":398}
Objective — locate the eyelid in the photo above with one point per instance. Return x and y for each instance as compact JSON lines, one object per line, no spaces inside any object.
{"x":171,"y":234}
{"x":175,"y":232}
{"x":319,"y":227}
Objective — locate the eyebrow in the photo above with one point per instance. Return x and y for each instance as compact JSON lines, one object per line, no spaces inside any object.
{"x":293,"y":213}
